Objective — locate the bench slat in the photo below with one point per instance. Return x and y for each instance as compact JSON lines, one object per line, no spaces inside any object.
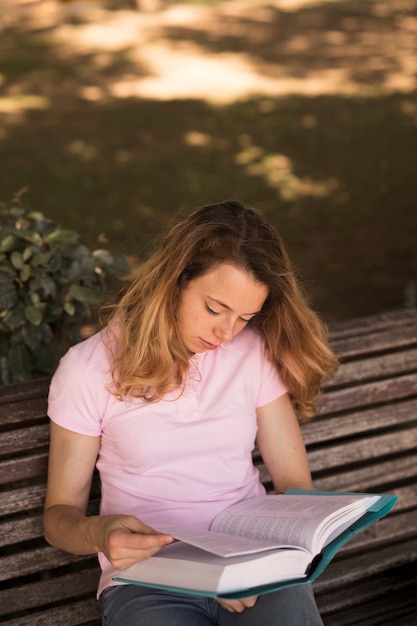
{"x":359,"y":566}
{"x":56,"y":588}
{"x":373,"y":323}
{"x":365,"y":449}
{"x":23,"y":412}
{"x":384,"y":476}
{"x":85,"y":612}
{"x":319,"y":431}
{"x":394,"y":364}
{"x":368,"y":394}
{"x":30,"y":389}
{"x":33,"y":466}
{"x":383,"y":599}
{"x":372,"y":343}
{"x":34,"y":560}
{"x":23,"y":439}
{"x":22,"y":498}
{"x":16,"y":530}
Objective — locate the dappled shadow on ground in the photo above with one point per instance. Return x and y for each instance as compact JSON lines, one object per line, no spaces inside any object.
{"x":310,"y":115}
{"x":349,"y":43}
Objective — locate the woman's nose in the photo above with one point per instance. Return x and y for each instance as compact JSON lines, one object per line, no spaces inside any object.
{"x":224,"y":331}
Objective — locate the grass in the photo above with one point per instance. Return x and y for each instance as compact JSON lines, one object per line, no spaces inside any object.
{"x":334,"y":171}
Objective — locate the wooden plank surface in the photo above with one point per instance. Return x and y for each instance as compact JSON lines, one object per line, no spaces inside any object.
{"x":24,"y":439}
{"x":376,"y":478}
{"x":55,"y":589}
{"x":24,"y":412}
{"x":363,"y":566}
{"x":17,"y":392}
{"x":43,"y":592}
{"x":34,"y":560}
{"x":372,"y":368}
{"x":359,"y":326}
{"x":71,"y":614}
{"x":22,"y":498}
{"x":364,"y":439}
{"x":23,"y":468}
{"x":360,"y":423}
{"x":369,"y":394}
{"x":386,"y":599}
{"x":375,"y":342}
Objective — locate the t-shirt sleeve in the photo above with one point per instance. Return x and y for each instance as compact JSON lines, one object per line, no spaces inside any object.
{"x":271,"y":385}
{"x":73,"y":400}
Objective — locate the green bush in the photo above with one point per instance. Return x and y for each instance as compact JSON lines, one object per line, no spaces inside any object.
{"x":49,"y":284}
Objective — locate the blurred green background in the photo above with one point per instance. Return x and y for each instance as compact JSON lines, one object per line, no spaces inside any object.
{"x":115,"y":116}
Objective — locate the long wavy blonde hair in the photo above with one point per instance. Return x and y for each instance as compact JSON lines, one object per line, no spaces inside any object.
{"x":149,"y":357}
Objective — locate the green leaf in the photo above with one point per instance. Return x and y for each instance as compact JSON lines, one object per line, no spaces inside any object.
{"x":16,"y":260}
{"x":69,"y":308}
{"x":36,"y":215}
{"x":112,"y":263}
{"x":7,"y":243}
{"x":22,"y":223}
{"x":46,"y":333}
{"x":41,"y":259}
{"x":25,"y":273}
{"x":31,"y":236}
{"x":32,"y":336}
{"x":8,"y":292}
{"x":83,"y":294}
{"x":62,"y":235}
{"x":33,"y":314}
{"x":19,"y":362}
{"x":27,"y":253}
{"x":15,"y":316}
{"x":43,"y":359}
{"x":47,"y":285}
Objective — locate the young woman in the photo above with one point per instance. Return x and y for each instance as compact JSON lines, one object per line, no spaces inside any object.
{"x":211,"y":349}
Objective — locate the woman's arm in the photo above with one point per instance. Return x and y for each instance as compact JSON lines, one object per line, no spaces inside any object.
{"x":124,"y":539}
{"x":281,"y":445}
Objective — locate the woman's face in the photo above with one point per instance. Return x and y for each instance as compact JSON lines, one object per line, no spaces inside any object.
{"x":216,"y":306}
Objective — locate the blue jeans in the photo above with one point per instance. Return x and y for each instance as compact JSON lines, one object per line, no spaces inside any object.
{"x":132,"y":605}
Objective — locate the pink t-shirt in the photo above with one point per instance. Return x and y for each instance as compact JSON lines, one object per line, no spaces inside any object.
{"x":180,"y":460}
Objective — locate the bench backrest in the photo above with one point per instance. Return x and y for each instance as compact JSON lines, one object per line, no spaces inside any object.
{"x":364,"y":438}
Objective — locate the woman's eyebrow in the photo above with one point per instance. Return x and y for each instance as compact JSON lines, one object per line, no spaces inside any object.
{"x":229,"y":308}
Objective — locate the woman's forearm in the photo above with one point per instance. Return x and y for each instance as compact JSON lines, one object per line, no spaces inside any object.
{"x":67,"y":528}
{"x":123,"y":539}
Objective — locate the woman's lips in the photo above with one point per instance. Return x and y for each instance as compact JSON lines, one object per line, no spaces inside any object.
{"x":207,"y":345}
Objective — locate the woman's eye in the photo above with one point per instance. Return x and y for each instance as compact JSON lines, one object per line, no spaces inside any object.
{"x":211,"y":310}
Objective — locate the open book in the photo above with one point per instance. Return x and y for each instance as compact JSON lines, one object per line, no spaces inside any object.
{"x":260,"y":544}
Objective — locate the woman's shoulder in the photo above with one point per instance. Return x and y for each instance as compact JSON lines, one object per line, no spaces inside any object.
{"x":91,"y":352}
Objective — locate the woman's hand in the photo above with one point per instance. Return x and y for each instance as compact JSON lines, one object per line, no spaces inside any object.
{"x":238,"y":606}
{"x":124,"y":539}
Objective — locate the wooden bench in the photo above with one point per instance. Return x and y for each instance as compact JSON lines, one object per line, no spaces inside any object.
{"x":364,"y":438}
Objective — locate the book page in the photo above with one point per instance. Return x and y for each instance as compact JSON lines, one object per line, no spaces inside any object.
{"x":298,"y":520}
{"x":183,"y":567}
{"x":217,"y":543}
